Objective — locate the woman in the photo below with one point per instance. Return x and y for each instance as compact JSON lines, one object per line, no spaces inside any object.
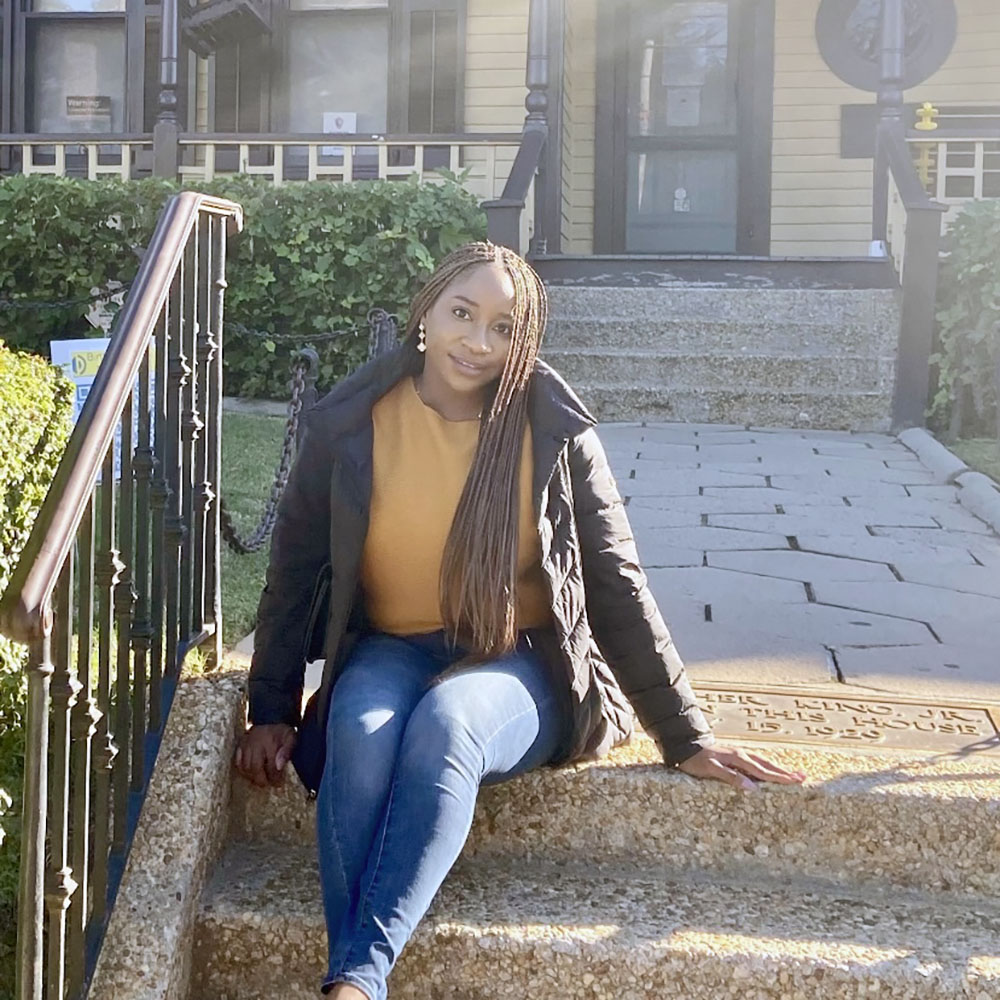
{"x":486,"y":611}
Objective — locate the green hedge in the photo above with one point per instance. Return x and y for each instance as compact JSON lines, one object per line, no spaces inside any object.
{"x":312,"y":258}
{"x":35,"y":408}
{"x":968,"y":357}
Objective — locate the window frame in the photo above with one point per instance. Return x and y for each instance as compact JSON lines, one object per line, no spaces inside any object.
{"x":135,"y":17}
{"x":399,"y":63}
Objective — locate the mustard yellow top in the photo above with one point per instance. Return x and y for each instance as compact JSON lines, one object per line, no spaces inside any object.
{"x":420,"y":464}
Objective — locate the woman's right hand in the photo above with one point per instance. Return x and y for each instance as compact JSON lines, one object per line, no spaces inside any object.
{"x":263,"y":752}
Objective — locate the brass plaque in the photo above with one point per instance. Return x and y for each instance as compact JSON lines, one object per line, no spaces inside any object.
{"x":848,"y":721}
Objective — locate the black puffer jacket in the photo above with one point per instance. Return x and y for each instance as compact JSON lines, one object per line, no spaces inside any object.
{"x":603,"y":612}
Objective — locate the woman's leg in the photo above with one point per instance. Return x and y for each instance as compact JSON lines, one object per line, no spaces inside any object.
{"x":489,"y":723}
{"x":381,"y":683}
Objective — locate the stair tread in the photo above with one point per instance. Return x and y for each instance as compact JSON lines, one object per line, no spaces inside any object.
{"x":711,"y":354}
{"x":901,"y":818}
{"x":642,"y":916}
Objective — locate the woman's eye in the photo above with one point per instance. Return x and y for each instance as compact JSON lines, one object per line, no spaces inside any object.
{"x":504,"y":330}
{"x":460,"y":312}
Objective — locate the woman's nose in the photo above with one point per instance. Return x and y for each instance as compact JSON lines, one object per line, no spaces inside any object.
{"x":479,"y":340}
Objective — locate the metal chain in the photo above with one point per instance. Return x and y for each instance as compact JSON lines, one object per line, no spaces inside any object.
{"x":243,"y":545}
{"x":243,"y":331}
{"x":14,"y":305}
{"x":382,"y":337}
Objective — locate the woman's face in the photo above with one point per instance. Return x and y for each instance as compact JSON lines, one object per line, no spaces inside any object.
{"x":469,"y":328}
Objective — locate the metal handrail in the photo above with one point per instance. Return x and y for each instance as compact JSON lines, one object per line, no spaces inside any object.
{"x":22,"y":616}
{"x":119,"y":579}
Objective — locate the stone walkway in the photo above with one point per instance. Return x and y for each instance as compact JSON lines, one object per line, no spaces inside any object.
{"x":809,"y":558}
{"x":812,"y":557}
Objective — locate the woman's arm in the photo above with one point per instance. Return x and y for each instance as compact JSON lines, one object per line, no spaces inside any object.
{"x":634,"y":639}
{"x":624,"y":617}
{"x":299,"y":550}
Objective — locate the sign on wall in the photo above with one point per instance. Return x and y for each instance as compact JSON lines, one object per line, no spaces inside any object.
{"x":849,"y":33}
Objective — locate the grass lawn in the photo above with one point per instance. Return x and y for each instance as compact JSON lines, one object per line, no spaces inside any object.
{"x":982,"y":454}
{"x":251,"y":448}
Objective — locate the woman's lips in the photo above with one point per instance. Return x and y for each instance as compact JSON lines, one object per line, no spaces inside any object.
{"x":466,"y":366}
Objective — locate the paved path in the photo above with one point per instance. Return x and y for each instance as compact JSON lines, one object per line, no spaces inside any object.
{"x":810,"y":558}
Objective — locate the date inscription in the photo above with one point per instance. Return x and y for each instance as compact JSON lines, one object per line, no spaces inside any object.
{"x":784,"y":715}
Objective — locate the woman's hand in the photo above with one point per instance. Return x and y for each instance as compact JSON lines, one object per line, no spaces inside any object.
{"x":736,"y":767}
{"x":263,"y":752}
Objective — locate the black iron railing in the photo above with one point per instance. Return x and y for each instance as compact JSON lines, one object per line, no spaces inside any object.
{"x":119,"y":580}
{"x":908,"y":222}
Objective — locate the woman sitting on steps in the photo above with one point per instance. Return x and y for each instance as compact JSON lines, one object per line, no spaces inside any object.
{"x":486,"y":613}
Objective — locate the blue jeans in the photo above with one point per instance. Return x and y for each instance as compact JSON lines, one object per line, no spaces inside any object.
{"x":404,"y":762}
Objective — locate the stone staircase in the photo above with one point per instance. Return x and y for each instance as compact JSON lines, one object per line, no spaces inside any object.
{"x":879,"y":878}
{"x":767,"y":356}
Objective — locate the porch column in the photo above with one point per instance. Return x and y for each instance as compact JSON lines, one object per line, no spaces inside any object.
{"x":890,"y":103}
{"x":537,"y":106}
{"x":165,"y":133}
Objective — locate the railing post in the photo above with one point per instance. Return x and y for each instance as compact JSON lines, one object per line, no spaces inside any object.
{"x":890,"y":104}
{"x":166,"y":150}
{"x":916,"y":328}
{"x":34,"y":815}
{"x":537,"y":105}
{"x":503,"y":222}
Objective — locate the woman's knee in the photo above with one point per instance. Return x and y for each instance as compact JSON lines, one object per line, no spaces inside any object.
{"x":441,"y":734}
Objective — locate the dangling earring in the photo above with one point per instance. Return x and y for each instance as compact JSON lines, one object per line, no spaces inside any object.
{"x":422,"y":338}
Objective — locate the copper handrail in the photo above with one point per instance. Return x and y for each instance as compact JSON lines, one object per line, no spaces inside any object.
{"x":22,"y":610}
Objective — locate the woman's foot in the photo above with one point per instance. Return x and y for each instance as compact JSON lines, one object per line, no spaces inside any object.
{"x":345,"y":991}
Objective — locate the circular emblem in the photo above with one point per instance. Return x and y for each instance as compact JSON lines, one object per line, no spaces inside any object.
{"x":849,"y":33}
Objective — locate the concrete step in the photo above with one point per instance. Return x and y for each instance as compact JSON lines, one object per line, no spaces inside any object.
{"x":499,"y":929}
{"x":752,"y":372}
{"x":846,"y":411}
{"x":696,"y":334}
{"x":806,"y":321}
{"x":903,"y":819}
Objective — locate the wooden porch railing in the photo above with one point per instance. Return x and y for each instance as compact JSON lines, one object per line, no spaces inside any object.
{"x":958,"y":165}
{"x":118,"y":581}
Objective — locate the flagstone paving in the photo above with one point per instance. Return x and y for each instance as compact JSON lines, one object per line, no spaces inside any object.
{"x":808,"y":557}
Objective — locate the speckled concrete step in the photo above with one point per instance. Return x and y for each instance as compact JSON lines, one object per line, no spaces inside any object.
{"x":502,"y":930}
{"x":919,"y":822}
{"x":846,"y":411}
{"x":753,"y":371}
{"x":769,"y":357}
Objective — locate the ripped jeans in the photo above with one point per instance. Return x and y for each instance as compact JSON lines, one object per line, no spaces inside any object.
{"x":405,"y":758}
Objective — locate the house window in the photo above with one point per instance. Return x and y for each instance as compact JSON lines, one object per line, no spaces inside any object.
{"x":76,"y":75}
{"x":337,"y":68}
{"x":241,"y":75}
{"x":434,"y":61}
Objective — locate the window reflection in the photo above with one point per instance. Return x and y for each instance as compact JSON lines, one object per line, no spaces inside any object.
{"x":77,"y":76}
{"x":338,"y":64}
{"x":682,"y":69}
{"x":76,"y":6}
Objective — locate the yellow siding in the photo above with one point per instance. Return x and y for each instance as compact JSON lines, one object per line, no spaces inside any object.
{"x":821,"y":204}
{"x":497,"y":43}
{"x":578,"y":147}
{"x":201,"y":96}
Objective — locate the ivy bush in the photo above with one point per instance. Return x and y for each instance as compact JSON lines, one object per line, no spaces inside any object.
{"x":968,"y":356}
{"x":35,"y":407}
{"x":313,"y":258}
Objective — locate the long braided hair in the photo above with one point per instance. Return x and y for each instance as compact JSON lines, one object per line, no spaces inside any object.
{"x":478,"y":585}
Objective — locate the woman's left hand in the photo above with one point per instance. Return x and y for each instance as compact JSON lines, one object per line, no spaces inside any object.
{"x":737,"y":767}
